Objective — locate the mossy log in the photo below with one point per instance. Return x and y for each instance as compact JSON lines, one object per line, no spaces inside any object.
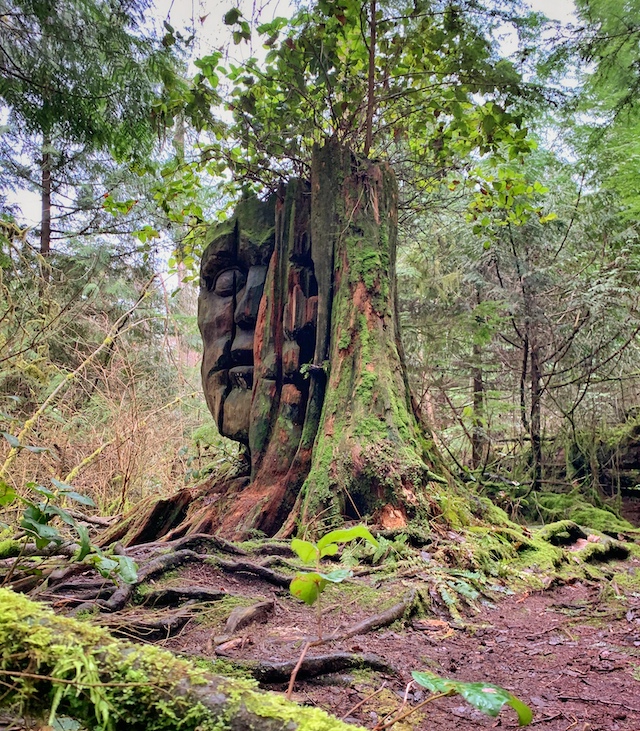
{"x":55,"y":665}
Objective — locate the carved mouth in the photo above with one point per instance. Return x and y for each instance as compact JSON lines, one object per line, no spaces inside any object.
{"x":241,"y":377}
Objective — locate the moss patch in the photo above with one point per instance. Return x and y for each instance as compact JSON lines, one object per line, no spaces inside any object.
{"x":573,"y":506}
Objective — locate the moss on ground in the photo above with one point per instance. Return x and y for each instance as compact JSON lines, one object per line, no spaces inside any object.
{"x":10,"y":548}
{"x":216,"y":614}
{"x":573,"y":506}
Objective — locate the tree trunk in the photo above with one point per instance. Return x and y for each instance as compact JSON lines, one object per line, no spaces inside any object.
{"x":45,"y":227}
{"x":479,"y":440}
{"x":303,"y":363}
{"x":53,"y":664}
{"x":368,"y":457}
{"x":535,"y":429}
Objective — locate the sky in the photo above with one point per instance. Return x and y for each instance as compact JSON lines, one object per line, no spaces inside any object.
{"x":180,"y":13}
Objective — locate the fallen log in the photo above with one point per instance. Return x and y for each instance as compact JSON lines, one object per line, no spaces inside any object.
{"x":55,"y":665}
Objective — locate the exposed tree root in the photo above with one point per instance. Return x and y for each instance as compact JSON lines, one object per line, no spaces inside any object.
{"x":247,"y":567}
{"x":384,"y":619}
{"x":312,"y":667}
{"x":157,"y":566}
{"x":204,"y":543}
{"x":173,"y":596}
{"x":147,"y":627}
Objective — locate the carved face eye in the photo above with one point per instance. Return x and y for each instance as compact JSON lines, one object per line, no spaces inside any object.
{"x":229,"y":282}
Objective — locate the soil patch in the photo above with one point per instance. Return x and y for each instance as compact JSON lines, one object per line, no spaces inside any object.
{"x":572,"y":652}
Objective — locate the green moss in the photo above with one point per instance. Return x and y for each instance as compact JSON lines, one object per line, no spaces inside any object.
{"x":222,"y":666}
{"x":573,"y":506}
{"x":10,"y":548}
{"x":627,"y":580}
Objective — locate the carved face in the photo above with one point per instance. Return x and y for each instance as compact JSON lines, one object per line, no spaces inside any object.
{"x":256,"y":337}
{"x":232,"y":279}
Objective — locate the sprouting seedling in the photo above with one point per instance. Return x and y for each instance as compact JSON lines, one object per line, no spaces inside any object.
{"x":308,"y":585}
{"x":486,"y":697}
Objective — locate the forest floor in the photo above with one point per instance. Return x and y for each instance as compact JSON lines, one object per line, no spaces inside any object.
{"x":571,"y":652}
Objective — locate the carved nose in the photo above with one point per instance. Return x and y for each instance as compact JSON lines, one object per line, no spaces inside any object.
{"x":246,"y":312}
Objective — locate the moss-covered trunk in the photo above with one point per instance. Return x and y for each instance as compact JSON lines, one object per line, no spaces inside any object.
{"x":303,"y":361}
{"x":51,"y":664}
{"x":368,"y":457}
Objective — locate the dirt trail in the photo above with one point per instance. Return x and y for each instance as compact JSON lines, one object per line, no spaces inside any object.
{"x":572,"y":653}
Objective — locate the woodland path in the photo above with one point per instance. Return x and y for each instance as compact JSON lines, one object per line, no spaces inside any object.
{"x":572,"y":652}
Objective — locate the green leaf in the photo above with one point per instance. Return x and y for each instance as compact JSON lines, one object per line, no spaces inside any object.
{"x":61,"y":485}
{"x":337,"y":576}
{"x":43,"y":533}
{"x":36,"y":450}
{"x":7,"y":494}
{"x":305,"y":550}
{"x":61,"y":513}
{"x":13,"y":442}
{"x":105,"y":566}
{"x":345,"y":535}
{"x":490,"y":699}
{"x":33,"y":512}
{"x":42,"y":490}
{"x":486,"y":697}
{"x":434,"y":682}
{"x":77,"y":497}
{"x":232,"y":16}
{"x":127,"y":570}
{"x":85,"y":543}
{"x":329,"y":550}
{"x":307,"y":587}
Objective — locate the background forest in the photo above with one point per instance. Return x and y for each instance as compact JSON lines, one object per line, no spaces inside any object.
{"x":516,"y":142}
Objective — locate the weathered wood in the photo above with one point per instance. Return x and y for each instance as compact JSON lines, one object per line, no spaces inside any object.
{"x":243,"y":616}
{"x":312,"y":667}
{"x":303,"y":364}
{"x":50,"y":663}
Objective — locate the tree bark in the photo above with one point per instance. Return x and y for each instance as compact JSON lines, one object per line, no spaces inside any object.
{"x":52,"y":664}
{"x":478,"y":441}
{"x":368,"y":457}
{"x":535,"y":429}
{"x":321,"y":396}
{"x":45,"y":227}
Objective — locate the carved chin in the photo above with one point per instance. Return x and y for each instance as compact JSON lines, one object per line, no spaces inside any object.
{"x":235,"y":416}
{"x":229,"y":398}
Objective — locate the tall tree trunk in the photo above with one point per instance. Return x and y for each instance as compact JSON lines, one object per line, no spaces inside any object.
{"x":368,"y":456}
{"x":45,"y":227}
{"x":535,"y":419}
{"x":479,"y":440}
